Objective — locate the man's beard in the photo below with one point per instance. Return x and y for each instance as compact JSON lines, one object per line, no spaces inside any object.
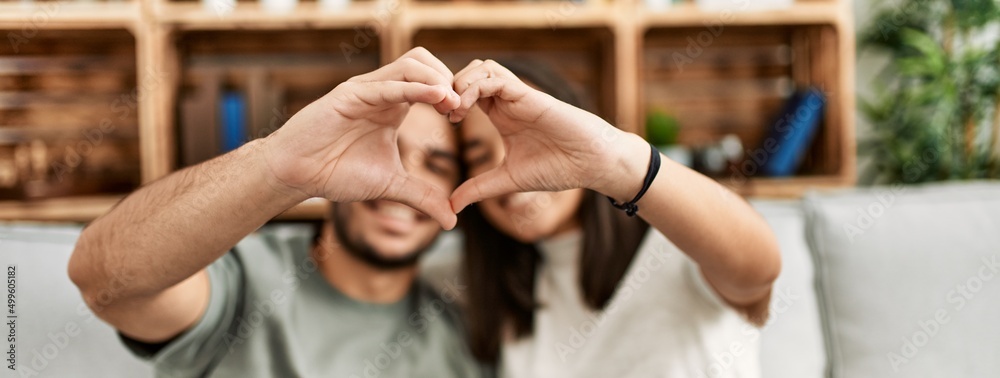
{"x":361,"y":250}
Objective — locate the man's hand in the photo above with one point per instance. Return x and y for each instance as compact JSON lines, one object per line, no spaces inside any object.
{"x":162,"y":236}
{"x":550,"y":145}
{"x":343,"y":146}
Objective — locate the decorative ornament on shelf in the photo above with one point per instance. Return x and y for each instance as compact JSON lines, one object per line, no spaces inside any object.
{"x":659,"y":5}
{"x":334,"y":5}
{"x":279,"y":6}
{"x":219,"y":8}
{"x":743,"y":5}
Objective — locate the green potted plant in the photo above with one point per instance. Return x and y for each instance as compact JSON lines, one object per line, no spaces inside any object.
{"x":936,"y":112}
{"x":662,"y":130}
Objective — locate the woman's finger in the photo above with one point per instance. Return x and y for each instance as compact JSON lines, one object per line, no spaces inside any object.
{"x":504,"y":89}
{"x":472,"y":65}
{"x":493,"y":183}
{"x":484,"y":70}
{"x":479,"y":70}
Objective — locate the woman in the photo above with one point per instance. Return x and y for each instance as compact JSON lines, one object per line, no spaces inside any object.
{"x":561,"y":283}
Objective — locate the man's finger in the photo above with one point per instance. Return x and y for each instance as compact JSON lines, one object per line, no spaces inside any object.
{"x":493,"y":183}
{"x":450,"y":103}
{"x":399,"y":92}
{"x":406,"y":69}
{"x":418,"y":65}
{"x":421,"y":54}
{"x":426,"y":198}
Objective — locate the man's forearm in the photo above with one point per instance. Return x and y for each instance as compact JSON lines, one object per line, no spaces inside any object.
{"x":176,"y":226}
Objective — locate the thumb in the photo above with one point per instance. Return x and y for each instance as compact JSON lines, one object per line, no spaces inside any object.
{"x":426,"y":198}
{"x":493,"y":183}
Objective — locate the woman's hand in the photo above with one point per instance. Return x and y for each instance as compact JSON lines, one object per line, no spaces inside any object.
{"x":550,"y":145}
{"x":343,"y":146}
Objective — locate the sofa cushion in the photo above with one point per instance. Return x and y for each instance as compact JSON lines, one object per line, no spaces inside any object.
{"x":908,"y":279}
{"x":791,"y":343}
{"x":56,"y":334}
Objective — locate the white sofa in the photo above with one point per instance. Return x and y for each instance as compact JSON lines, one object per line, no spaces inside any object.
{"x":57,"y":335}
{"x":876,"y":283}
{"x":904,"y":281}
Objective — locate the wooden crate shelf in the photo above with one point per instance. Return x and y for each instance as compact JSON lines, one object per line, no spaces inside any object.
{"x":420,"y":14}
{"x":737,"y":80}
{"x":540,"y":15}
{"x":28,"y":17}
{"x":604,"y":47}
{"x":78,"y":209}
{"x":277,"y":71}
{"x":68,"y":119}
{"x":801,"y":13}
{"x":583,"y":55}
{"x":247,"y":15}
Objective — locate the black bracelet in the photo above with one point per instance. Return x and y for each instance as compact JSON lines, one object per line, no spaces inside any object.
{"x":654,"y":167}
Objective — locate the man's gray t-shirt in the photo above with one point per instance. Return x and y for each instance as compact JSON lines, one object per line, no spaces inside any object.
{"x":293,"y":323}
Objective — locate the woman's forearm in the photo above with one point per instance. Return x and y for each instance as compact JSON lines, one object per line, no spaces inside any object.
{"x":733,"y":245}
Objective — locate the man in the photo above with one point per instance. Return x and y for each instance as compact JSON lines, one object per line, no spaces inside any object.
{"x":157,"y":269}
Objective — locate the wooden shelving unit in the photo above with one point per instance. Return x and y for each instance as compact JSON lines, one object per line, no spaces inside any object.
{"x":802,"y":13}
{"x":195,"y":16}
{"x":27,"y":17}
{"x":605,"y":47}
{"x":74,"y":209}
{"x":509,"y":15}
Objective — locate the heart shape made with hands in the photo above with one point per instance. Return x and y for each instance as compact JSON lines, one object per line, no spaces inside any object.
{"x":549,"y":145}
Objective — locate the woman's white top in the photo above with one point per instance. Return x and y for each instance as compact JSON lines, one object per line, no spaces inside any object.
{"x":663,"y":321}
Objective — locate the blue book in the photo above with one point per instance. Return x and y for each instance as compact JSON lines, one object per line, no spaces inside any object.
{"x":792,"y":133}
{"x":233,"y":122}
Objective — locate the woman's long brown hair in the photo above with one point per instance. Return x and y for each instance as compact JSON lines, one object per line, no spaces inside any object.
{"x":500,"y":271}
